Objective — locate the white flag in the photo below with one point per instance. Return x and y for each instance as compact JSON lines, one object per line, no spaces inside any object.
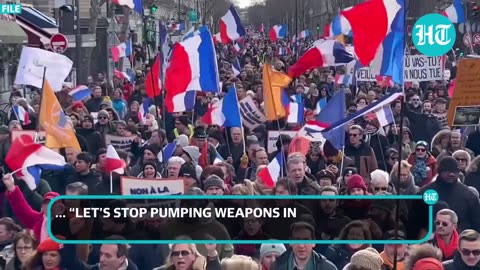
{"x":32,"y":63}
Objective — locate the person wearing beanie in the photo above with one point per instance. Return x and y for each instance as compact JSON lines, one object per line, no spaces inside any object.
{"x":269,"y":253}
{"x":424,"y":164}
{"x":368,"y":258}
{"x":325,"y":178}
{"x":191,"y":154}
{"x":183,"y":126}
{"x":48,"y":256}
{"x":93,"y":104}
{"x":93,"y":138}
{"x":356,"y":209}
{"x":356,"y":185}
{"x":104,"y":125}
{"x":450,"y":190}
{"x":189,"y":174}
{"x":149,"y":171}
{"x":150,"y":154}
{"x":214,"y":185}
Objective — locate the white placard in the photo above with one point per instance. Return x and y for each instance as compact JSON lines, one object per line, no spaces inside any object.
{"x":119,"y":142}
{"x":151,"y":187}
{"x":273,"y":137}
{"x":252,"y":116}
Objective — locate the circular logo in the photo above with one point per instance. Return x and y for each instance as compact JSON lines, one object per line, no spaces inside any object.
{"x":430,"y":197}
{"x":433,"y":35}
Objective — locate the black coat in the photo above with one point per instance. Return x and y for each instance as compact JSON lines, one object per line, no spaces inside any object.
{"x":457,"y":264}
{"x":319,"y":262}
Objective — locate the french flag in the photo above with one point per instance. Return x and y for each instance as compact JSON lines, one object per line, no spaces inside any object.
{"x":294,"y":106}
{"x":312,"y":130}
{"x":282,"y":51}
{"x":218,"y":159}
{"x":217,"y":38}
{"x":322,"y":54}
{"x":370,"y":31}
{"x":122,"y":50}
{"x":136,"y":5}
{"x":384,"y":81}
{"x":168,"y":151}
{"x":29,"y":159}
{"x":113,"y":163}
{"x":193,"y":67}
{"x":144,"y":110}
{"x":455,"y":12}
{"x":178,"y":27}
{"x":277,"y":32}
{"x":339,"y":26}
{"x":236,"y":67}
{"x":231,"y":27}
{"x":304,"y":34}
{"x":384,"y":115}
{"x":320,"y":105}
{"x":238,"y":47}
{"x":121,"y":75}
{"x":343,"y":79}
{"x":80,"y":92}
{"x":224,"y":113}
{"x":22,"y":115}
{"x":273,"y":171}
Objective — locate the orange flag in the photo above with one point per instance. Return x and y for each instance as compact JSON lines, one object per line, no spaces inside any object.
{"x":60,"y":133}
{"x":273,"y":83}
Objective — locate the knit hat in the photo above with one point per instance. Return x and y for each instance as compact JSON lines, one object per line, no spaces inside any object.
{"x":448,"y":164}
{"x":152,"y":149}
{"x":87,"y":117}
{"x":349,"y":170}
{"x":428,"y":264}
{"x":356,"y":181}
{"x":421,"y":143}
{"x":103,"y":113}
{"x":188,"y":170}
{"x":325,"y":174}
{"x":49,"y":245}
{"x":182,"y":140}
{"x":213,"y":181}
{"x":266,"y":249}
{"x":184,"y":120}
{"x":106,"y":103}
{"x":367,"y":258}
{"x":4,"y":130}
{"x":200,"y":133}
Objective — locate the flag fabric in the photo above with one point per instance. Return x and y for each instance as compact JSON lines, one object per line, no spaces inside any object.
{"x":384,"y":81}
{"x":168,"y":151}
{"x":384,"y":115}
{"x":312,"y":130}
{"x":217,"y":38}
{"x":218,"y":159}
{"x":122,"y":75}
{"x":295,"y":108}
{"x":299,"y":144}
{"x":304,"y":34}
{"x":343,"y":79}
{"x":455,"y":12}
{"x":162,"y":32}
{"x":190,"y":33}
{"x":193,"y":67}
{"x":153,"y":84}
{"x":273,"y":83}
{"x":320,"y":105}
{"x":385,"y":100}
{"x":136,"y":5}
{"x":32,"y":158}
{"x":34,"y":61}
{"x":334,"y":111}
{"x":177,"y":27}
{"x":113,"y":163}
{"x":123,"y":50}
{"x":277,"y":32}
{"x":238,"y":47}
{"x":60,"y":133}
{"x":370,"y":31}
{"x":262,"y":28}
{"x":322,"y":54}
{"x":236,"y":67}
{"x":224,"y":113}
{"x":231,"y":27}
{"x":80,"y":93}
{"x":22,"y":115}
{"x":339,"y":25}
{"x":273,"y":171}
{"x":144,"y":110}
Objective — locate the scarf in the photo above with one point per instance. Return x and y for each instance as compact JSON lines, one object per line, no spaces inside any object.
{"x":448,"y":250}
{"x":420,"y":169}
{"x":389,"y":263}
{"x":203,"y":160}
{"x":43,"y":230}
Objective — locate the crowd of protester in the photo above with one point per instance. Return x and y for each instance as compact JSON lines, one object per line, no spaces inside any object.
{"x":433,"y":156}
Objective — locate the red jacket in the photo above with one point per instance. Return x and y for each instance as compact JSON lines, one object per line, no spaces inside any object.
{"x":28,"y":217}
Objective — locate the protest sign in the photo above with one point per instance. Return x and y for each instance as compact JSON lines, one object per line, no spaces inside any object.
{"x":466,"y":116}
{"x":153,"y":187}
{"x":416,"y":68}
{"x":41,"y":136}
{"x":119,"y":142}
{"x":273,"y":137}
{"x":95,"y":117}
{"x":466,"y":86}
{"x":252,"y":116}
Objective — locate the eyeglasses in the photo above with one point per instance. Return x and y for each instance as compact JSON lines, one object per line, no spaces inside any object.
{"x":181,"y":252}
{"x":468,"y":252}
{"x":102,"y":117}
{"x":420,"y":149}
{"x":380,"y":188}
{"x":443,"y":223}
{"x":353,"y":135}
{"x":415,"y":99}
{"x":26,"y":248}
{"x":461,"y":159}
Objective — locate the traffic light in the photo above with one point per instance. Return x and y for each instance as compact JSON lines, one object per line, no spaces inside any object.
{"x":153,"y":8}
{"x":318,"y":27}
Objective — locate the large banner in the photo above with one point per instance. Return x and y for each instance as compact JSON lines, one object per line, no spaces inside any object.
{"x":119,"y":142}
{"x":152,"y":187}
{"x":273,"y":137}
{"x":40,"y":135}
{"x":417,"y":68}
{"x":252,"y":116}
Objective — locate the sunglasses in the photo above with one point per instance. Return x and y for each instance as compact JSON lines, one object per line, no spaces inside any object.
{"x":420,"y":149}
{"x":380,"y":188}
{"x":102,"y":117}
{"x":353,"y":135}
{"x":461,"y":159}
{"x":181,"y":252}
{"x":468,"y":252}
{"x":443,"y":223}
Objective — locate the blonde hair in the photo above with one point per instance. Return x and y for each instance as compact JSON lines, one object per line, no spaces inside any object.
{"x":240,"y":262}
{"x":403,"y":166}
{"x":192,"y":248}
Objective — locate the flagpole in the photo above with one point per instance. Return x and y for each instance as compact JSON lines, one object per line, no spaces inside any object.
{"x":241,"y":124}
{"x":111,"y":182}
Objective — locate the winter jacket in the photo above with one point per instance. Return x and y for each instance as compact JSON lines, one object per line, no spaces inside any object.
{"x":364,"y":159}
{"x":319,"y":262}
{"x":28,"y":217}
{"x":74,"y":263}
{"x":34,"y":198}
{"x":457,"y":264}
{"x":94,"y":139}
{"x":432,"y":169}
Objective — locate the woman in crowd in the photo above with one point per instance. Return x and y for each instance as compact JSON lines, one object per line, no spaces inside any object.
{"x":424,"y":164}
{"x":47,"y":257}
{"x":187,"y":257}
{"x":24,"y":248}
